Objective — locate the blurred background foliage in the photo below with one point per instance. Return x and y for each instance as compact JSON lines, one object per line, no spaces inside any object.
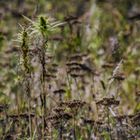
{"x":99,"y":27}
{"x":104,"y":33}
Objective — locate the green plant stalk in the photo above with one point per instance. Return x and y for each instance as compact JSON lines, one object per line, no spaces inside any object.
{"x":44,"y":30}
{"x":27,"y":73}
{"x":43,"y":75}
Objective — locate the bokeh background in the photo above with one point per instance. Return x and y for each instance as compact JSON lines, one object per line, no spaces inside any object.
{"x":107,"y":30}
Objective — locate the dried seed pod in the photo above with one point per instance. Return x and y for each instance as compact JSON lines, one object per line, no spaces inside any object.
{"x":108,"y":102}
{"x":99,"y":122}
{"x":59,"y":109}
{"x":76,"y":57}
{"x":26,"y":115}
{"x":73,"y":104}
{"x":63,"y":84}
{"x":56,"y":124}
{"x":55,"y":65}
{"x":72,"y":20}
{"x":73,"y":63}
{"x":108,"y":65}
{"x":59,"y":91}
{"x":75,"y":68}
{"x":118,"y":76}
{"x":75,"y":71}
{"x":88,"y":121}
{"x":50,"y":76}
{"x":49,"y":56}
{"x":86,"y":68}
{"x":13,"y":116}
{"x":136,"y":119}
{"x":75,"y":75}
{"x":121,"y":117}
{"x":63,"y":115}
{"x":52,"y":70}
{"x":22,"y":116}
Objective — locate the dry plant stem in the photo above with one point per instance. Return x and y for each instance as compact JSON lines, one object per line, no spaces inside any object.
{"x":28,"y":94}
{"x":6,"y":121}
{"x":43,"y":63}
{"x":51,"y":133}
{"x":93,"y":80}
{"x":69,"y":84}
{"x":61,"y":122}
{"x":36,"y":11}
{"x":89,"y":131}
{"x":136,"y":85}
{"x":43,"y":94}
{"x":120,"y":123}
{"x":78,"y":90}
{"x":74,"y":126}
{"x":27,"y":74}
{"x":37,"y":129}
{"x":108,"y":88}
{"x":60,"y":131}
{"x":112,"y":79}
{"x":118,"y":88}
{"x":29,"y":106}
{"x":30,"y":121}
{"x":108,"y":121}
{"x":17,"y":103}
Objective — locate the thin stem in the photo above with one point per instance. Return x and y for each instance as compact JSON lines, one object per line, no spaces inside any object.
{"x":74,"y":127}
{"x":108,"y":122}
{"x":77,"y":87}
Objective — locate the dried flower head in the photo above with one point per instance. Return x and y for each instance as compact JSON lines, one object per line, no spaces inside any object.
{"x":136,"y":119}
{"x":16,"y":117}
{"x":88,"y":121}
{"x":120,"y":118}
{"x":73,"y":104}
{"x":73,"y":63}
{"x":55,"y":65}
{"x":59,"y":91}
{"x":62,"y":115}
{"x":108,"y":102}
{"x":50,"y":76}
{"x":108,"y":65}
{"x":58,"y":109}
{"x":119,"y":76}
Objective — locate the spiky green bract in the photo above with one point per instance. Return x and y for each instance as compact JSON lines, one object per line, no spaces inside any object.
{"x":43,"y":26}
